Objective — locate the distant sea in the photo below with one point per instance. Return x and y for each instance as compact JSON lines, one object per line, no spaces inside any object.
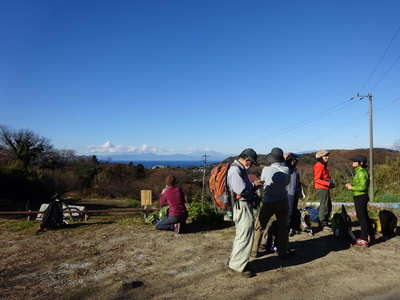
{"x":170,"y":163}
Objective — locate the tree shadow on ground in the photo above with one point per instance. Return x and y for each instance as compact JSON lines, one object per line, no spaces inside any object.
{"x":306,"y":251}
{"x":200,"y":227}
{"x":77,"y":225}
{"x":73,"y":225}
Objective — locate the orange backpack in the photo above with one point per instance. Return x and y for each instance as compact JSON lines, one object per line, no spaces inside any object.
{"x":218,"y":186}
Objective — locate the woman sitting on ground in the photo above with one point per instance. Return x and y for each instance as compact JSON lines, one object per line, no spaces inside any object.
{"x":172,"y":196}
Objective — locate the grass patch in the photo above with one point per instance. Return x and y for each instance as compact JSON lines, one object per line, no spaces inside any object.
{"x":20,"y":225}
{"x":134,"y":220}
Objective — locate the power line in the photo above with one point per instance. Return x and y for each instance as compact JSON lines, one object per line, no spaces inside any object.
{"x":329,"y":111}
{"x":381,"y":58}
{"x":387,"y":72}
{"x":387,"y":105}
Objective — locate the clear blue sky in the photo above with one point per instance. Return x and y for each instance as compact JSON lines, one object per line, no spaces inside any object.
{"x":181,"y":75}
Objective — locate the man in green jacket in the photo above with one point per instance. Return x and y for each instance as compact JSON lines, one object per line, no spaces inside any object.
{"x":359,"y":187}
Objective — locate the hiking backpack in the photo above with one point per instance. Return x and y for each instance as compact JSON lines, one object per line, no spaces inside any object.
{"x":341,"y":225}
{"x":305,"y":219}
{"x":388,"y":221}
{"x":53,"y":216}
{"x":219,"y":187}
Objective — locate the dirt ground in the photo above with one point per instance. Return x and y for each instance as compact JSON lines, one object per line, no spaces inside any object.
{"x":93,"y":260}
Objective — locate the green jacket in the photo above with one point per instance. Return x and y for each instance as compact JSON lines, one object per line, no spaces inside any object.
{"x":360,"y":182}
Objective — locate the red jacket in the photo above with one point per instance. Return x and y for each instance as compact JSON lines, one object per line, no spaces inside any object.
{"x":174,"y":198}
{"x":321,"y":176}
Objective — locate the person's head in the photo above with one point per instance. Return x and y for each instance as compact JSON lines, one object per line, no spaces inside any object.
{"x":359,"y":161}
{"x":248,"y":157}
{"x":275,"y":156}
{"x":170,"y":180}
{"x":291,"y":159}
{"x":322,"y":156}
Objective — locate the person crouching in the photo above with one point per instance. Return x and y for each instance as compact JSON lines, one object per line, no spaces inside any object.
{"x":173,"y":196}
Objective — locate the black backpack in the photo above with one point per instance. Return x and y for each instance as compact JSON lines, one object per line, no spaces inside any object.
{"x":341,"y":225}
{"x":388,"y":222}
{"x":53,"y":216}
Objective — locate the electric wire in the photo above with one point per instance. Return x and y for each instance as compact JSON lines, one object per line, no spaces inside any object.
{"x":387,"y":105}
{"x":329,"y":111}
{"x":381,"y":58}
{"x":387,"y":72}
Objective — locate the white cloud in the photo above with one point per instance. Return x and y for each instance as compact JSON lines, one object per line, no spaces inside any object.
{"x":109,"y":147}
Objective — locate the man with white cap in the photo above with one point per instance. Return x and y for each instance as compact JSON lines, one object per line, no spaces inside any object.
{"x":322,"y":184}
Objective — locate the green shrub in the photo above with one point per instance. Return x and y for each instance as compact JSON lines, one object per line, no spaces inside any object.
{"x":133,"y":203}
{"x":202,"y":212}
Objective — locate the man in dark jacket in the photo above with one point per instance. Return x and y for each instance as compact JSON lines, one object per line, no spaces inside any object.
{"x":294,"y":191}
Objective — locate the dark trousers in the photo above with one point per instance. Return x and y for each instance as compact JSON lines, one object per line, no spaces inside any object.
{"x":360,"y":203}
{"x":292,"y":201}
{"x":280,"y":210}
{"x":325,"y":205}
{"x":168,"y":222}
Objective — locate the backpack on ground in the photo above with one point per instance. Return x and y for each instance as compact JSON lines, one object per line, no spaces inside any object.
{"x":156,"y":216}
{"x":341,"y":225}
{"x":388,"y":222}
{"x":53,"y":216}
{"x":305,"y":220}
{"x":219,"y":187}
{"x":313,"y":214}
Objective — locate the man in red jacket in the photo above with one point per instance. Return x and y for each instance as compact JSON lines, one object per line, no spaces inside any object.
{"x":322,"y":184}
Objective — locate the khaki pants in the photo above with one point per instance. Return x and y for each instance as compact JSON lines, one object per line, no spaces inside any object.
{"x":325,"y":206}
{"x":244,"y":225}
{"x":280,"y":209}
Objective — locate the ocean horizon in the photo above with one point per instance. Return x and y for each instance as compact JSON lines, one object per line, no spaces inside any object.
{"x":148,"y":164}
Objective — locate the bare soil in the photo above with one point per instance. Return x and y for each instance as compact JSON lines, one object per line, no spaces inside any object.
{"x":118,"y":257}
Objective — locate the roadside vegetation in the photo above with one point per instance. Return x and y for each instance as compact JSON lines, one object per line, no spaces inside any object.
{"x":32,"y":170}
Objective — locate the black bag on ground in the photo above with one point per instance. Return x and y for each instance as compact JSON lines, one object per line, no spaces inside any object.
{"x":388,"y":222}
{"x":341,"y":225}
{"x":53,"y":216}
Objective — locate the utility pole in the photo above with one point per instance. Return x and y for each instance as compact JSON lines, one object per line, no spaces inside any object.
{"x":204,"y":179}
{"x":371,"y":144}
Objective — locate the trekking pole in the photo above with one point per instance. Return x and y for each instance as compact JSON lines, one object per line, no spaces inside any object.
{"x":204,"y":179}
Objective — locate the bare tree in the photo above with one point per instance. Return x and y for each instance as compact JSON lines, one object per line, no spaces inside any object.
{"x":23,"y":145}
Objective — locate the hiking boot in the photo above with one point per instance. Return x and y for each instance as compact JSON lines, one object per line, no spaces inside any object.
{"x":177,"y":228}
{"x":245,"y":273}
{"x":371,"y":239}
{"x":361,"y":242}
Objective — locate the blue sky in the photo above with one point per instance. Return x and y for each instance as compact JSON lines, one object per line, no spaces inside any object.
{"x":188,"y":75}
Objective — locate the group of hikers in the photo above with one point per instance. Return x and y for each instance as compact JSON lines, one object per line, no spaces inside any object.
{"x":281,"y":186}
